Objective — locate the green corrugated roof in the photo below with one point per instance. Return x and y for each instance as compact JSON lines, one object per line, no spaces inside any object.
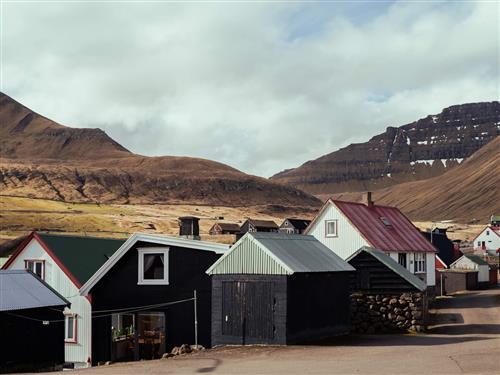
{"x":82,"y":256}
{"x":393,"y":265}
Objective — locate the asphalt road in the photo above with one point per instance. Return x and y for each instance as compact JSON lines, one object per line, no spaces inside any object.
{"x":464,"y":339}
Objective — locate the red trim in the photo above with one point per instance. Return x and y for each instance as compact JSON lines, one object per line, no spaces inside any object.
{"x":18,"y":250}
{"x":75,"y":329}
{"x":34,"y":235}
{"x":58,"y":262}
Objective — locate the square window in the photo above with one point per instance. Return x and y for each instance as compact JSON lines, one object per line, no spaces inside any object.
{"x":153,"y":266}
{"x":331,"y":228}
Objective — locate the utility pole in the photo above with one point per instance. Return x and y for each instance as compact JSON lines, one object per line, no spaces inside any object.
{"x":195,"y":321}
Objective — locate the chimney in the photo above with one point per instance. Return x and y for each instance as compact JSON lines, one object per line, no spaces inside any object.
{"x":369,"y":201}
{"x":189,"y":227}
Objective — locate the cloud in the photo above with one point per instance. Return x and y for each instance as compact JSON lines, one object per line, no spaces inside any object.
{"x":261,"y":87}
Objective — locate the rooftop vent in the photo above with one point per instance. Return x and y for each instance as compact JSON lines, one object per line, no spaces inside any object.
{"x":385,"y":221}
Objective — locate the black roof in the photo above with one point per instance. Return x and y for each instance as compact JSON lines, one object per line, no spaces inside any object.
{"x":300,"y":224}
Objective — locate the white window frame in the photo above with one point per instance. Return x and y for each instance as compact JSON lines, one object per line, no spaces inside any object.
{"x":420,"y":262}
{"x":35,"y":262}
{"x":336,"y":222}
{"x":152,"y":250}
{"x":67,"y":317}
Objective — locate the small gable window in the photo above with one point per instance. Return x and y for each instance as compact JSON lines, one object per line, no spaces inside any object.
{"x":331,"y":228}
{"x":36,"y":266}
{"x":153,"y":266}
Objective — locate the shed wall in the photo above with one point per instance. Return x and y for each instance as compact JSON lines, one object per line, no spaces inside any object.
{"x":318,"y":305}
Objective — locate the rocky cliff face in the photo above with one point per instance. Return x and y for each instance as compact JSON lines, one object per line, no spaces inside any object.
{"x":423,"y":149}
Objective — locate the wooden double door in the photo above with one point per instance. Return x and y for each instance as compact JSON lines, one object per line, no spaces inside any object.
{"x":248,"y":311}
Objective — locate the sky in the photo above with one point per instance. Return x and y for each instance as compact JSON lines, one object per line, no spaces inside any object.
{"x":261,"y":86}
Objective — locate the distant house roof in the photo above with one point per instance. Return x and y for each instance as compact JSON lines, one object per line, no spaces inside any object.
{"x":230,"y":227}
{"x":476,"y":259}
{"x":264,"y":223}
{"x":494,"y":229}
{"x":278,"y":253}
{"x":299,"y":224}
{"x":385,"y":228}
{"x":157,"y":239}
{"x":79,"y":257}
{"x":393,"y":265}
{"x":21,"y":289}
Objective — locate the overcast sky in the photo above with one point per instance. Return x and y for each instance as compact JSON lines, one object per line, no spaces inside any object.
{"x":261,"y":87}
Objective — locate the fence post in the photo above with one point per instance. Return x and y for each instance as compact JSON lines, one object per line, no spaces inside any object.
{"x":195,"y":320}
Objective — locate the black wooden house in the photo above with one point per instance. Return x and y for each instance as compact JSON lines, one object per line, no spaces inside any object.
{"x":294,"y":225}
{"x":148,"y":286}
{"x":274,"y":288}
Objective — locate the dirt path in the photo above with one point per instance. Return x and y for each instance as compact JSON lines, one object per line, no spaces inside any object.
{"x":465,"y":339}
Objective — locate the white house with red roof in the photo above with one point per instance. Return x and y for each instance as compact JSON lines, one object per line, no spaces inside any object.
{"x":344,"y":227}
{"x":488,"y":240}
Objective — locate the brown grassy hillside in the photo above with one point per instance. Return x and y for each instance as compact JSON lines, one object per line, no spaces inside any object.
{"x":42,"y":159}
{"x":469,"y":191}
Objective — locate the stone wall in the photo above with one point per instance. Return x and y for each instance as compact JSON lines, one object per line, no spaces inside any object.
{"x":384,"y":313}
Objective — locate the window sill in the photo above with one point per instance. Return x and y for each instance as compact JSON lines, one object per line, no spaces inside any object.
{"x":70,"y":342}
{"x":155,"y":282}
{"x":331,"y":235}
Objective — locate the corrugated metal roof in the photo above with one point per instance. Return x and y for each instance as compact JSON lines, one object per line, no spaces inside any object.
{"x":393,"y":265}
{"x":278,"y":254}
{"x":264,"y":224}
{"x":20,"y":289}
{"x":477,"y":259}
{"x":385,"y":228}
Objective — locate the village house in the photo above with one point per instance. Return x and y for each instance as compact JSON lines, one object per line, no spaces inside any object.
{"x":276,"y":288}
{"x":488,"y":240}
{"x":252,"y":225}
{"x":345,"y":227}
{"x":224,"y":228}
{"x":31,"y":322}
{"x":66,"y":263}
{"x":144,"y":297}
{"x":294,"y":226}
{"x":475,"y":263}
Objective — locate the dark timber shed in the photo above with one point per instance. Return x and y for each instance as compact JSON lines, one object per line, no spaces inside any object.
{"x":274,"y":288}
{"x":31,"y":323}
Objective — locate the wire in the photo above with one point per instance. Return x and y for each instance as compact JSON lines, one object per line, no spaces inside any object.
{"x":144,"y":306}
{"x":122,"y":310}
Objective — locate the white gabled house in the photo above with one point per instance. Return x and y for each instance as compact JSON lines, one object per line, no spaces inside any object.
{"x":488,"y":240}
{"x":345,"y":227}
{"x":476,"y":263}
{"x":66,"y":263}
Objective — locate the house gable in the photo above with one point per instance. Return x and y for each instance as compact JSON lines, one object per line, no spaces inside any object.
{"x":348,"y":239}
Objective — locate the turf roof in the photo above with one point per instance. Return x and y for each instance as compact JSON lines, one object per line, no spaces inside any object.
{"x":82,"y":256}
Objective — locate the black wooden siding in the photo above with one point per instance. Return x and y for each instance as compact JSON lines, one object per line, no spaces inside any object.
{"x":279,"y":310}
{"x":119,"y":289}
{"x":255,"y":306}
{"x":375,"y":277}
{"x":28,"y":345}
{"x":318,"y":305}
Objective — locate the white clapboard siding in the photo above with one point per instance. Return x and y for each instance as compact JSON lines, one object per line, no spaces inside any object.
{"x":348,"y":239}
{"x":79,"y":352}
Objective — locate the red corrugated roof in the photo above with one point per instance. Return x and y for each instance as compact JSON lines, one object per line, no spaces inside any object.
{"x":399,"y":235}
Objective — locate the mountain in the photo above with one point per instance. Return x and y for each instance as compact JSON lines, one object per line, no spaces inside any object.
{"x":416,"y":151}
{"x":466,"y":193}
{"x":42,"y":159}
